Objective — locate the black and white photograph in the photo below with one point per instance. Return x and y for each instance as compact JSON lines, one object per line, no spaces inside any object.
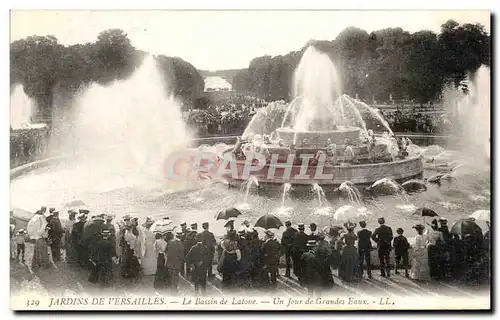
{"x":250,"y":160}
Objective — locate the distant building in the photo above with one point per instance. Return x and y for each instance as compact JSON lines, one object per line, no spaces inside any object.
{"x":213,"y":83}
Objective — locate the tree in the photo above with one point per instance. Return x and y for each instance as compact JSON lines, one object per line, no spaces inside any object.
{"x":112,"y":56}
{"x":463,"y":49}
{"x":422,"y":78}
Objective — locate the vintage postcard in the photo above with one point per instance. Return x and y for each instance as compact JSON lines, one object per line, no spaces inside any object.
{"x":250,"y":160}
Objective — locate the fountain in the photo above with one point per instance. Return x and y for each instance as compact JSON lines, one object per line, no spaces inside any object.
{"x":21,"y":109}
{"x":245,"y":189}
{"x":320,"y":193}
{"x":286,"y":190}
{"x":349,"y":190}
{"x":319,"y":138}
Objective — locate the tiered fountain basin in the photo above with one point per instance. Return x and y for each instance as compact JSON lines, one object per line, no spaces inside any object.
{"x":280,"y":167}
{"x":365,"y":174}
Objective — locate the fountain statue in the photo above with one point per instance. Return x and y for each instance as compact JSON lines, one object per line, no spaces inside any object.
{"x":320,"y":138}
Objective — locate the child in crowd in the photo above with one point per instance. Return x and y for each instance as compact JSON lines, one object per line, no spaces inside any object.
{"x":401,"y":247}
{"x":20,"y":240}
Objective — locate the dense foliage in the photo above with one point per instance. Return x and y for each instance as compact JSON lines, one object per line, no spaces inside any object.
{"x":389,"y":62}
{"x":44,"y":67}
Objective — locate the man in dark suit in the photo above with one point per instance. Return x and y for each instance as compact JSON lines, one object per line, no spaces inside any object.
{"x":287,"y":241}
{"x":189,"y":242}
{"x":364,"y":248}
{"x":199,"y":258}
{"x":299,"y":247}
{"x":175,"y":260}
{"x":271,"y":254}
{"x":383,"y":237}
{"x":208,"y":239}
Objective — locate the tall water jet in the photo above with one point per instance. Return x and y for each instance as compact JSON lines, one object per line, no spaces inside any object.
{"x":470,"y":113}
{"x":21,"y":108}
{"x":317,"y":82}
{"x":128,"y":127}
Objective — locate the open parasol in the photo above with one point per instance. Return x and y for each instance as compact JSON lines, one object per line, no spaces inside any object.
{"x":466,"y":226}
{"x":481,"y":215}
{"x":425,"y":212}
{"x":269,"y":221}
{"x":226,"y":214}
{"x":162,"y":226}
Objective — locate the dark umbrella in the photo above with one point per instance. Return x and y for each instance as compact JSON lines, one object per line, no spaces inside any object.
{"x":466,"y":226}
{"x":227,"y":214}
{"x":425,"y":212}
{"x":269,"y":221}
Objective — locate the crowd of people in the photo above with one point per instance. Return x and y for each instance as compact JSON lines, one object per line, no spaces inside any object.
{"x":243,"y":259}
{"x":28,"y":145}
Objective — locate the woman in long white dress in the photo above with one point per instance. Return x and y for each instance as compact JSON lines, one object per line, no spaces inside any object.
{"x":150,"y":256}
{"x":420,"y":257}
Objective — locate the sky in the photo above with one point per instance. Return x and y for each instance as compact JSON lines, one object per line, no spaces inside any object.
{"x":215,"y":40}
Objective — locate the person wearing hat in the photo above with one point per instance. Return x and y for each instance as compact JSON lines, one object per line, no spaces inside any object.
{"x":314,"y":229}
{"x":175,"y":260}
{"x":287,"y":240}
{"x":77,"y":240}
{"x":149,"y":260}
{"x":323,"y":257}
{"x":365,"y":248}
{"x":350,"y":226}
{"x":383,"y":237}
{"x":55,"y":235}
{"x":101,"y":259}
{"x":92,"y":233}
{"x":349,"y":269}
{"x":311,"y":274}
{"x":52,"y":209}
{"x":271,"y":257}
{"x":401,"y":247}
{"x":162,"y":279}
{"x":189,"y":242}
{"x":208,"y":239}
{"x":198,"y":258}
{"x":20,"y":240}
{"x":436,"y":242}
{"x":37,"y":231}
{"x":299,"y":248}
{"x":230,"y":256}
{"x":67,"y":243}
{"x":420,"y":256}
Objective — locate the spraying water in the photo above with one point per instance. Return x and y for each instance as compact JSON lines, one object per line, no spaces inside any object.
{"x":320,"y":193}
{"x":350,"y":191}
{"x":245,"y":187}
{"x":286,"y":190}
{"x":124,"y":131}
{"x":317,"y":82}
{"x":21,"y":108}
{"x":470,"y":114}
